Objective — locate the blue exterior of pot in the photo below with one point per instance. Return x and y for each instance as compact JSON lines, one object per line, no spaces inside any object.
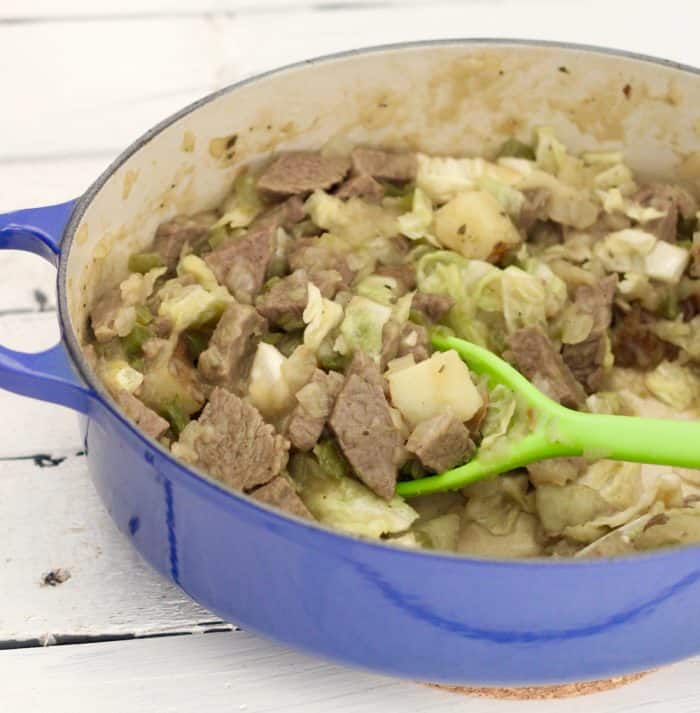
{"x":414,"y":614}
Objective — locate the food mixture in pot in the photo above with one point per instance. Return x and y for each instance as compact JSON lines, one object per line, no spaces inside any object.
{"x":281,"y":343}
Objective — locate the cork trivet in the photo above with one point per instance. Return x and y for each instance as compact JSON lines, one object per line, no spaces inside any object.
{"x":530,"y":693}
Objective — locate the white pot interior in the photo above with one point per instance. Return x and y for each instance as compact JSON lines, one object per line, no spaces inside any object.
{"x":454,"y":98}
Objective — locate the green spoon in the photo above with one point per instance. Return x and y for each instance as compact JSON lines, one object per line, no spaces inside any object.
{"x":558,"y":431}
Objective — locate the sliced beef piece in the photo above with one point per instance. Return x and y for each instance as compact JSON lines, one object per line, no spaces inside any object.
{"x":229,"y":356}
{"x":690,"y":307}
{"x":362,"y":423}
{"x":361,"y":187}
{"x":283,"y":304}
{"x":311,"y":255}
{"x":432,"y":307}
{"x":302,"y":172}
{"x":405,"y":276}
{"x":414,"y":340}
{"x":103,"y":317}
{"x":397,"y":167}
{"x":282,"y":215}
{"x":635,"y":345}
{"x":534,"y":208}
{"x":314,"y":405}
{"x":232,"y":442}
{"x":172,"y":235}
{"x":674,"y":201}
{"x":145,"y":418}
{"x":329,"y":282}
{"x":241,"y":264}
{"x":585,"y":359}
{"x":536,"y":358}
{"x":161,"y":326}
{"x":441,"y":442}
{"x":280,"y":493}
{"x":285,"y":301}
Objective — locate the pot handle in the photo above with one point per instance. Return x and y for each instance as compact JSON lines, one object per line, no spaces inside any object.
{"x":46,"y":375}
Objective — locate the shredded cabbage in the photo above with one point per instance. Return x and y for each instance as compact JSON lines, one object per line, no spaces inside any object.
{"x":192,"y":306}
{"x":524,"y":299}
{"x":321,"y":317}
{"x":346,"y":504}
{"x":362,"y":327}
{"x":625,"y":250}
{"x":354,"y":220}
{"x":417,"y":223}
{"x":195,"y":266}
{"x":499,"y":415}
{"x":442,"y":178}
{"x":674,"y":384}
{"x":242,"y":206}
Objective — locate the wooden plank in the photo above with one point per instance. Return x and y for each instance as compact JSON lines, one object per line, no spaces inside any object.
{"x":52,"y":519}
{"x":48,"y":9}
{"x":91,"y":88}
{"x":240,"y":672}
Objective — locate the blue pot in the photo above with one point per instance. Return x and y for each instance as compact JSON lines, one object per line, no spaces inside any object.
{"x":414,"y":614}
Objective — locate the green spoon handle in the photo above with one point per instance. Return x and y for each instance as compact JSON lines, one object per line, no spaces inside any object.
{"x":629,"y":438}
{"x":526,"y":450}
{"x":571,"y":433}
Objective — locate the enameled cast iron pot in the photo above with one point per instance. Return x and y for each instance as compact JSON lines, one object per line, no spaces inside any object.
{"x":415,"y":614}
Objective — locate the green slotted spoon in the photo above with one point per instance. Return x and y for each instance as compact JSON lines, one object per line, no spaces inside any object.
{"x":558,"y":431}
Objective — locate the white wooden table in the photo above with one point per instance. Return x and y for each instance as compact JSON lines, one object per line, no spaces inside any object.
{"x":80,"y":80}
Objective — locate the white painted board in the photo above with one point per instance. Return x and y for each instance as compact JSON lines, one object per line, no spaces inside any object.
{"x":237,"y":672}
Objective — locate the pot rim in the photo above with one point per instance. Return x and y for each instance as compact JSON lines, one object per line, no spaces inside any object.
{"x":193,"y":477}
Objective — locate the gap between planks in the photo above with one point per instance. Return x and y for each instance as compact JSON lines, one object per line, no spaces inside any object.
{"x":53,"y":519}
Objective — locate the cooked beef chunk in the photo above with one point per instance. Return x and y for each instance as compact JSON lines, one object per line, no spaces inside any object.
{"x":432,"y":307}
{"x":537,"y":359}
{"x":229,"y":356}
{"x":231,"y":441}
{"x":674,"y":201}
{"x":283,"y":304}
{"x":534,"y":208}
{"x":362,"y":423}
{"x":398,"y":167}
{"x":104,"y":315}
{"x":280,"y":493}
{"x":586,"y":358}
{"x":145,"y":418}
{"x":285,"y":301}
{"x":441,"y":442}
{"x":329,"y":282}
{"x":311,"y":255}
{"x":405,"y":276}
{"x":414,"y":340}
{"x":241,"y":264}
{"x":161,"y":326}
{"x":283,"y":215}
{"x":635,"y":345}
{"x":690,"y":307}
{"x":361,"y":187}
{"x":172,"y":235}
{"x":314,"y":405}
{"x":302,"y":172}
